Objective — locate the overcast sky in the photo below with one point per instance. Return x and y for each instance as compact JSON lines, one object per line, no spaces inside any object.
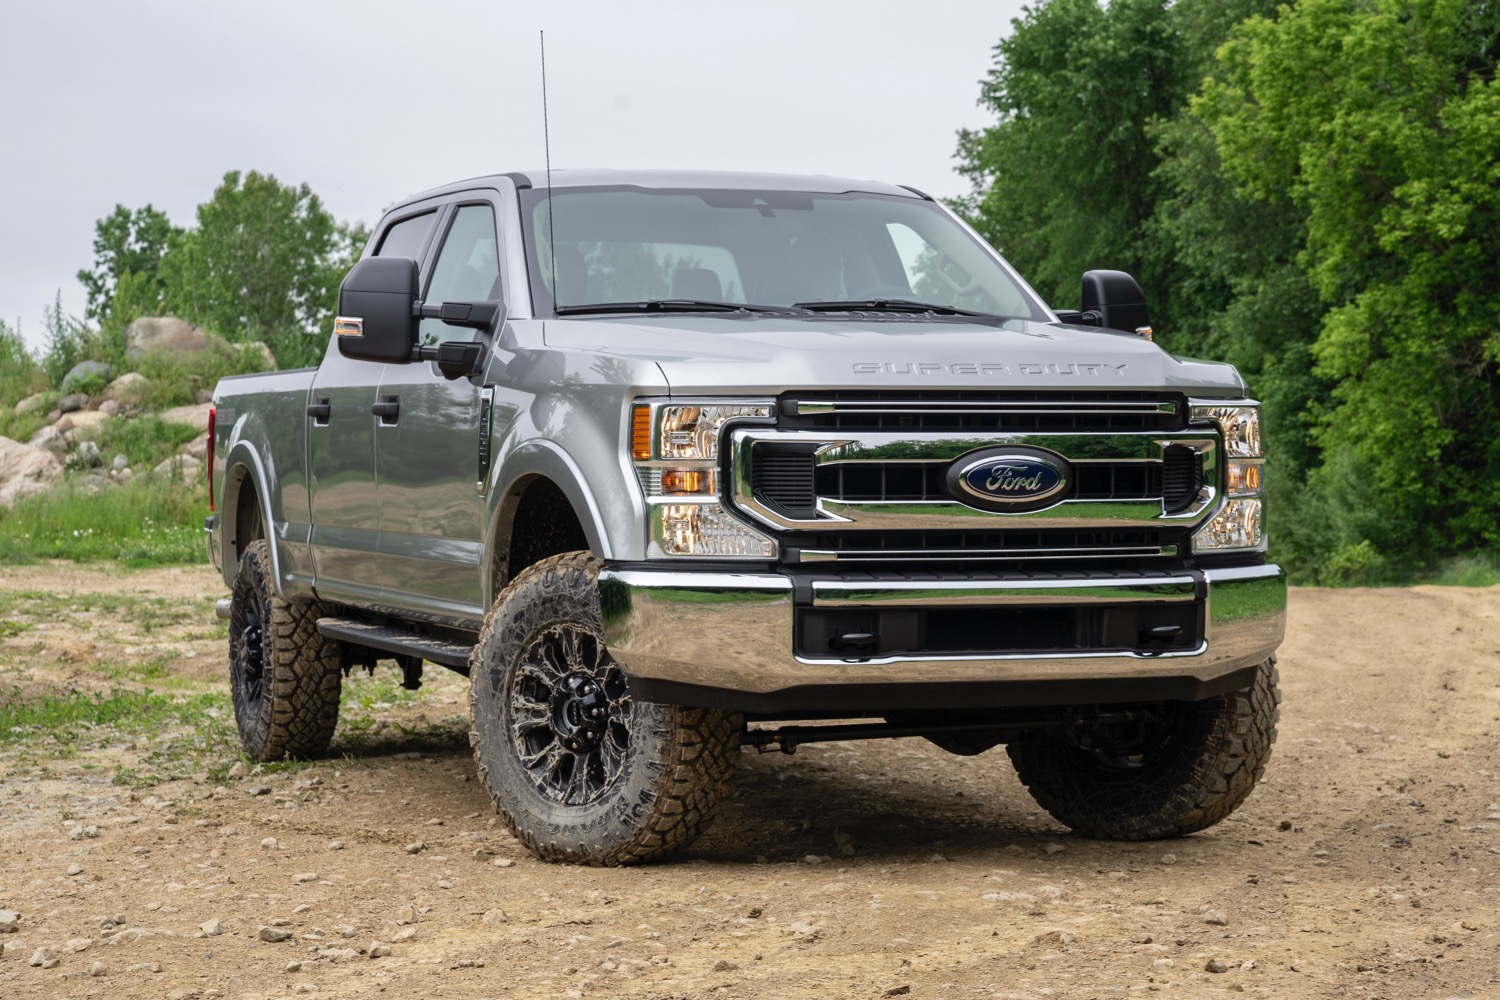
{"x":106,"y":102}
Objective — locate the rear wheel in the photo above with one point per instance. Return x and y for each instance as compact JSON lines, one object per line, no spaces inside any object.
{"x":284,"y":678}
{"x":1185,"y":768}
{"x":579,"y":769}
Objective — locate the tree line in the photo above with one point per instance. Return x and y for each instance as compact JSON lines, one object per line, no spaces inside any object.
{"x":1310,"y":190}
{"x":263,"y":263}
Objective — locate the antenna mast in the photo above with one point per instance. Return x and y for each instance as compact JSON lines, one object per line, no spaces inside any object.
{"x":547,"y":147}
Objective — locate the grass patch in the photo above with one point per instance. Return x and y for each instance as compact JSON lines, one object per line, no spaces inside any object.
{"x":71,"y":718}
{"x":141,"y":522}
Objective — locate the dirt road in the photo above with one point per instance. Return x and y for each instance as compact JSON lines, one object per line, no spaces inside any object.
{"x":1366,"y":865}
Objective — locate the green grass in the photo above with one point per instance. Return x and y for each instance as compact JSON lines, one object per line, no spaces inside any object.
{"x":70,"y":717}
{"x":141,"y":522}
{"x":145,"y":441}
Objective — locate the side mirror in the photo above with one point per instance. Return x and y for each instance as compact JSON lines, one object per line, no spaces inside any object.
{"x":1115,"y":301}
{"x":375,"y":320}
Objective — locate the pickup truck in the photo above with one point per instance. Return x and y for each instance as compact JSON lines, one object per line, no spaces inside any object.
{"x":671,"y":464}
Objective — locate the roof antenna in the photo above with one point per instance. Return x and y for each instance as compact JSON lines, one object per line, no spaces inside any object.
{"x":547,"y":146}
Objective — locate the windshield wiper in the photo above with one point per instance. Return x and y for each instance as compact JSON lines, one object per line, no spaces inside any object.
{"x":665,"y":305}
{"x":888,"y":305}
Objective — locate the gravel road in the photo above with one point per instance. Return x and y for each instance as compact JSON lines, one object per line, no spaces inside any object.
{"x":1367,"y":864}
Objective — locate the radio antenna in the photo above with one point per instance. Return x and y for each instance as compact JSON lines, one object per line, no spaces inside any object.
{"x":547,"y":147}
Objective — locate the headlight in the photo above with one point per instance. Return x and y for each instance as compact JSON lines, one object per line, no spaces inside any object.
{"x":675,"y":448}
{"x":1237,"y":525}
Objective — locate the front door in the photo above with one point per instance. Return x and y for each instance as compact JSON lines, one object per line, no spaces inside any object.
{"x":427,"y":449}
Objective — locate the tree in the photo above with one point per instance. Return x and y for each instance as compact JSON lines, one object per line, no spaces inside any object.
{"x":128,"y":248}
{"x":264,"y":263}
{"x":1380,"y":120}
{"x":1065,"y":180}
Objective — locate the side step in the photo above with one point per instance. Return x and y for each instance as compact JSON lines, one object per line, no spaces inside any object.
{"x":394,"y":640}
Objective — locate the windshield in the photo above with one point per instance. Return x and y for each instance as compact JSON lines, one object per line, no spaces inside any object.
{"x":779,"y":249}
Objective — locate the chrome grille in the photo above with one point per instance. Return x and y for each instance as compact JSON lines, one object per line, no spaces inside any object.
{"x":971,"y":410}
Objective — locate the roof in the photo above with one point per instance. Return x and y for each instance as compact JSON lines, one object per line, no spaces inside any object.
{"x":675,"y":179}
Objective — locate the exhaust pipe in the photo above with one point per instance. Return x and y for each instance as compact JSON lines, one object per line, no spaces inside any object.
{"x":221,"y":609}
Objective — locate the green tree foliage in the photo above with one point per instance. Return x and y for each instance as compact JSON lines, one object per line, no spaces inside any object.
{"x":263,"y":263}
{"x":1379,"y":122}
{"x":128,"y":248}
{"x":1322,"y":210}
{"x":1066,"y":178}
{"x":20,"y":376}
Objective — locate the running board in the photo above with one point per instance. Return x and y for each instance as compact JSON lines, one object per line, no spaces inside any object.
{"x":394,"y":640}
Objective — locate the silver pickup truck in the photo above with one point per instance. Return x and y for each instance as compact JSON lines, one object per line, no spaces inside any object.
{"x":674,"y":463}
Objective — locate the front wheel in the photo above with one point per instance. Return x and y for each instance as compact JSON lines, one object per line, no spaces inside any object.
{"x":284,"y":677}
{"x":579,"y":769}
{"x":1183,"y":769}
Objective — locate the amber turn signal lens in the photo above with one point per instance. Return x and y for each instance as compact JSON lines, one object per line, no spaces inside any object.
{"x":1244,"y":478}
{"x":687,"y":481}
{"x":640,"y":433}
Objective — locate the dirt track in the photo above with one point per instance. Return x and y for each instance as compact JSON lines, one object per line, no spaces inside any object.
{"x":1366,"y":865}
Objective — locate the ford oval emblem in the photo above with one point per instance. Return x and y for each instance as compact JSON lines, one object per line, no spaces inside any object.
{"x":1009,"y":478}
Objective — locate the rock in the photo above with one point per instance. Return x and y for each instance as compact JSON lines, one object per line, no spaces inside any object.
{"x":378,"y":950}
{"x":85,"y":420}
{"x":87,"y":455}
{"x":50,"y":439}
{"x":25,"y":470}
{"x":71,"y":403}
{"x":31,"y":404}
{"x":87,"y":377}
{"x":120,"y":463}
{"x":1214,"y":965}
{"x":1169,"y":859}
{"x":404,"y":934}
{"x":294,"y":966}
{"x":480,"y":854}
{"x":1054,"y":848}
{"x":260,"y":348}
{"x":303,"y":877}
{"x":91,"y":484}
{"x":897,"y":991}
{"x":1215,"y":917}
{"x":444,"y":884}
{"x":145,"y":967}
{"x":197,"y":448}
{"x":110,"y":408}
{"x":194,"y":416}
{"x":98,"y":969}
{"x":724,"y":965}
{"x":183,"y":467}
{"x":10,"y":921}
{"x":504,"y":863}
{"x":171,"y":335}
{"x":212,"y":928}
{"x":75,"y":869}
{"x":237,"y":770}
{"x":335,"y":845}
{"x":274,"y":934}
{"x":494,"y":917}
{"x":42,"y":956}
{"x":128,"y":390}
{"x":416,"y":847}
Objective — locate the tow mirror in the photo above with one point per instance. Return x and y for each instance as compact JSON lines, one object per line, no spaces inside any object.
{"x":1113,"y":300}
{"x":375,"y":320}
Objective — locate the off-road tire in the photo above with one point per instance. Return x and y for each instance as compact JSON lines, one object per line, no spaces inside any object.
{"x":1210,"y":757}
{"x":284,"y":677}
{"x":643,"y":789}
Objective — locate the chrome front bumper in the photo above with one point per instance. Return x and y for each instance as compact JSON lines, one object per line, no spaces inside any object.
{"x":727,"y":639}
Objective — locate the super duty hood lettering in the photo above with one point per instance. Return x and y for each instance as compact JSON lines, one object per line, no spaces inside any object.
{"x":1104,"y":370}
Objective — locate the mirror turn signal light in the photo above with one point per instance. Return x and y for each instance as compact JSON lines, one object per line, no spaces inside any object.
{"x":348,"y":326}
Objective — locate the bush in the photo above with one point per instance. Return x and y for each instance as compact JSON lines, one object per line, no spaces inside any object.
{"x":144,"y":441}
{"x":20,"y":375}
{"x":176,"y":380}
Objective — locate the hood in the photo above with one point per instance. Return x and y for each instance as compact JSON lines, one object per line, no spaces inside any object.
{"x":767,"y":355}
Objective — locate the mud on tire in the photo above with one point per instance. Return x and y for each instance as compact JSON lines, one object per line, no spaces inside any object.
{"x":284,"y":678}
{"x":1202,"y":760}
{"x":578,"y":769}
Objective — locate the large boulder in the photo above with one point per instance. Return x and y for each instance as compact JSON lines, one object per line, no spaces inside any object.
{"x":169,"y":334}
{"x":193,"y":416}
{"x":129,"y":389}
{"x":71,"y":403}
{"x":50,"y":439}
{"x":32,"y":403}
{"x":183,"y":467}
{"x":87,"y":377}
{"x":25,"y":470}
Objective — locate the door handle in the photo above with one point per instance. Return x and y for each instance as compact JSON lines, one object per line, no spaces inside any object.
{"x":321,"y":410}
{"x":388,"y":409}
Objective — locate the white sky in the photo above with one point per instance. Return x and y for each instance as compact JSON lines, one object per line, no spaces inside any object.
{"x":109,"y":101}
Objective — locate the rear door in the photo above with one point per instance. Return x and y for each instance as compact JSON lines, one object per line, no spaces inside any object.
{"x":427,"y":454}
{"x":341,"y":446}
